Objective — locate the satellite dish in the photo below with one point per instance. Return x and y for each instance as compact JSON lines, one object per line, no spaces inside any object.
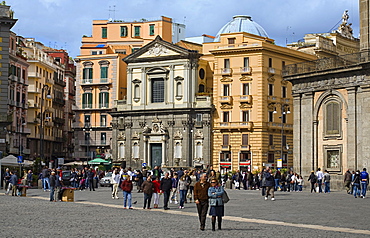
{"x":110,"y":19}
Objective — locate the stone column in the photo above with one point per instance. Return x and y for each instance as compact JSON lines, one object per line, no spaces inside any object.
{"x":114,"y":138}
{"x":351,"y":139}
{"x":307,"y":146}
{"x":129,"y":87}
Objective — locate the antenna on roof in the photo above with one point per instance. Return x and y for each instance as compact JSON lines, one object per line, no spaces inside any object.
{"x":184,"y":19}
{"x":114,"y":12}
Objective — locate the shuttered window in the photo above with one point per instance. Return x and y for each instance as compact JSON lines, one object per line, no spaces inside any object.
{"x":225,"y":139}
{"x":104,"y":32}
{"x":123,"y":31}
{"x":244,"y":139}
{"x":103,"y":100}
{"x":104,"y":72}
{"x":157,"y":90}
{"x":87,"y":100}
{"x":332,"y":118}
{"x":87,"y":73}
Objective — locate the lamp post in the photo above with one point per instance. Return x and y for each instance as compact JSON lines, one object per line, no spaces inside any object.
{"x":284,"y":111}
{"x":48,"y":96}
{"x":87,"y":131}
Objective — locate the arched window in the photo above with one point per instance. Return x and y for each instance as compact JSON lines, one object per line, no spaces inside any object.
{"x":135,"y":151}
{"x":121,"y":151}
{"x":332,"y":118}
{"x":178,"y":148}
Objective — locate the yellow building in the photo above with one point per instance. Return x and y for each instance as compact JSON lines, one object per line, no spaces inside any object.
{"x":252,"y":121}
{"x":101,"y":76}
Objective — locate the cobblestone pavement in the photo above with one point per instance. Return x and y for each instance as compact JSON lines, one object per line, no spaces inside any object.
{"x":96,"y":214}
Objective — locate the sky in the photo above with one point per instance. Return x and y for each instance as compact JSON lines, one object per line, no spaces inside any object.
{"x":62,"y":23}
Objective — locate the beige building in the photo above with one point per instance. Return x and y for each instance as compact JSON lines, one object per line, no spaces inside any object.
{"x":252,"y":126}
{"x":101,"y":77}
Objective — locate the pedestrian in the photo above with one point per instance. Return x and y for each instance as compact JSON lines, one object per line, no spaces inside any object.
{"x":90,"y":179}
{"x":182,"y":187}
{"x":327,"y":181}
{"x":320,"y":176}
{"x":313,"y":180}
{"x":45,"y":178}
{"x":300,"y":183}
{"x":269,"y":183}
{"x":215,"y":201}
{"x":139,"y":180}
{"x":347,"y":181}
{"x":127,"y":187}
{"x":52,"y":180}
{"x":147,"y":187}
{"x":13,"y":184}
{"x":156,"y":191}
{"x":263,"y":183}
{"x":7,"y":178}
{"x":58,"y":188}
{"x":364,"y":182}
{"x":277,"y":177}
{"x":29,"y":178}
{"x":356,"y":184}
{"x":201,"y":199}
{"x":237,"y":179}
{"x":192,"y":181}
{"x":175,"y":183}
{"x":116,"y":178}
{"x":165,"y":187}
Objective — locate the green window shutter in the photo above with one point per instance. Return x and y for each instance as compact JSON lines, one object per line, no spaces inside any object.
{"x":151,"y":30}
{"x":106,"y":99}
{"x":123,"y":31}
{"x":104,"y":72}
{"x":90,"y":98}
{"x":83,"y":100}
{"x":90,"y":73}
{"x":100,"y":98}
{"x":104,"y":32}
{"x":137,"y":30}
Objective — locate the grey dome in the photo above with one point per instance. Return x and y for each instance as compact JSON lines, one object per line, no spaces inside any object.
{"x":241,"y":24}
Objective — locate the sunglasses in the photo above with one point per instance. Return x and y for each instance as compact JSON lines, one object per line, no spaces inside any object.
{"x":213,"y":182}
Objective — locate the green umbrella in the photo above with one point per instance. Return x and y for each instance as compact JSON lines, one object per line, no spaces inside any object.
{"x":98,"y":161}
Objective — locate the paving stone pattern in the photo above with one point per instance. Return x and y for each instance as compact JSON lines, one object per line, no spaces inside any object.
{"x":96,"y":214}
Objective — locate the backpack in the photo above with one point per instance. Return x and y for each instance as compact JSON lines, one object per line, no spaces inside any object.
{"x":314,"y":179}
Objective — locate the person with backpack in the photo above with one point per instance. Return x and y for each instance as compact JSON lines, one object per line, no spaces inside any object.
{"x":313,"y":180}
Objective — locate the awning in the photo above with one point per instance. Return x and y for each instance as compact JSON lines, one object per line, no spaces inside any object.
{"x":99,"y":161}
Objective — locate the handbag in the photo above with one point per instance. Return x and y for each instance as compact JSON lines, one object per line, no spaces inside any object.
{"x":225,"y":197}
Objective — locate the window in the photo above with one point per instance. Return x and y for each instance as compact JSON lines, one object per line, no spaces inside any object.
{"x":157,"y":90}
{"x":245,"y":139}
{"x":245,"y":156}
{"x":284,"y":117}
{"x":87,"y":100}
{"x":199,"y":117}
{"x":104,"y":32}
{"x":283,"y":141}
{"x":282,"y":64}
{"x":87,"y":74}
{"x":136,"y":93}
{"x":198,"y":150}
{"x":121,"y":150}
{"x":231,"y":41}
{"x":202,"y":73}
{"x":87,"y":121}
{"x":135,"y":150}
{"x":271,"y":139}
{"x":225,"y":139}
{"x":151,"y":29}
{"x":245,"y":88}
{"x":137,"y":31}
{"x":135,"y":49}
{"x":270,"y":62}
{"x":246,"y":62}
{"x":283,"y":92}
{"x":270,"y":158}
{"x":103,"y":138}
{"x":179,"y":90}
{"x":333,"y":118}
{"x":271,"y":89}
{"x":227,"y":63}
{"x":245,"y":116}
{"x":271,"y":116}
{"x":178,"y":150}
{"x":103,"y":100}
{"x":103,"y":72}
{"x":333,"y":159}
{"x":201,"y":88}
{"x":225,"y":116}
{"x":103,"y":120}
{"x":225,"y":156}
{"x":226,"y":90}
{"x":123,"y":31}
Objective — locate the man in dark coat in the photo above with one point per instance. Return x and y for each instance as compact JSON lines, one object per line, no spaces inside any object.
{"x":269,"y":183}
{"x":166,"y":187}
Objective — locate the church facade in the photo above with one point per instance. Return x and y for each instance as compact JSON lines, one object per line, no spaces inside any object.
{"x":165,"y":119}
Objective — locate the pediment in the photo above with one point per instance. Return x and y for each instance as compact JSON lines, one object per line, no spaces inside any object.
{"x":158,"y":50}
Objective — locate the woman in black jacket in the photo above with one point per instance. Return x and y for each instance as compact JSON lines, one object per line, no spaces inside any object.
{"x":356,"y":184}
{"x":313,"y":180}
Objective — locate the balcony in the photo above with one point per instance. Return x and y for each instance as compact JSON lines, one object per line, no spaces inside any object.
{"x":103,"y":105}
{"x":245,"y":99}
{"x":271,"y":70}
{"x":96,"y":81}
{"x":33,"y":89}
{"x":34,"y":74}
{"x":226,"y":71}
{"x":271,"y":99}
{"x":49,"y":123}
{"x":203,"y":101}
{"x":86,"y":106}
{"x":226,"y":147}
{"x":226,"y":99}
{"x":13,"y":78}
{"x":234,"y":125}
{"x":245,"y":147}
{"x":49,"y":80}
{"x":246,"y":70}
{"x":93,"y":143}
{"x":279,"y":126}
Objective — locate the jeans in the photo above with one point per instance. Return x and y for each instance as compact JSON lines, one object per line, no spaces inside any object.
{"x":277,"y":184}
{"x":319,"y":183}
{"x":356,"y":189}
{"x":270,"y":191}
{"x":44,"y":182}
{"x":57,"y":196}
{"x":147,"y":199}
{"x":202,"y":208}
{"x":127,"y":197}
{"x":363,"y":188}
{"x":182,"y":197}
{"x":327,"y":187}
{"x":166,"y":196}
{"x":52,"y":193}
{"x":300,"y":188}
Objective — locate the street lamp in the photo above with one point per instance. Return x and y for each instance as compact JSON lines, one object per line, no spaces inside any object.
{"x":284,"y":111}
{"x":48,"y":96}
{"x":87,"y":139}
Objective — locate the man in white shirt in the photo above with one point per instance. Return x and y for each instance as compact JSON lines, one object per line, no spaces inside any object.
{"x":115,"y":180}
{"x":320,"y":176}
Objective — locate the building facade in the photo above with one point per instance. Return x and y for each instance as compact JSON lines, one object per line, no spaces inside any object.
{"x":101,"y":77}
{"x":330,"y":97}
{"x":166,"y":118}
{"x":252,"y":121}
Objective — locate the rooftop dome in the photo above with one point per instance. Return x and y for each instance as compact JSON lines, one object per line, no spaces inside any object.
{"x":241,"y":24}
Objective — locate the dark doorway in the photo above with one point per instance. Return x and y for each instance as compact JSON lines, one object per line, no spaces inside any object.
{"x":156,"y":154}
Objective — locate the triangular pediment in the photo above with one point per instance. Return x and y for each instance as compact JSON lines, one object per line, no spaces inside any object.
{"x":159,"y":49}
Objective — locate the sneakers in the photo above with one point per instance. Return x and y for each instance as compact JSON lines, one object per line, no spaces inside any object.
{"x":176,"y":202}
{"x":265,"y":198}
{"x":170,"y":201}
{"x":180,"y":207}
{"x":272,"y":199}
{"x":112,"y":197}
{"x":116,"y":197}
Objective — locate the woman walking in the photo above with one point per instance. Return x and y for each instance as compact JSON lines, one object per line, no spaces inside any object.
{"x":156,"y":192}
{"x":147,"y":187}
{"x":215,"y":201}
{"x":183,"y":187}
{"x":356,"y":184}
{"x":313,"y":180}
